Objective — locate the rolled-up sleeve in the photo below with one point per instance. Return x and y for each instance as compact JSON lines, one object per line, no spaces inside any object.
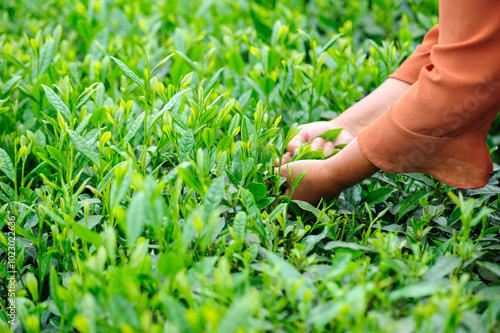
{"x":410,"y":68}
{"x":440,"y":125}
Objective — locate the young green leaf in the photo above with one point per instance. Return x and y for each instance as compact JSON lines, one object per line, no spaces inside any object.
{"x":84,"y":147}
{"x":6,"y":165}
{"x":47,"y":53}
{"x":87,"y":235}
{"x":240,"y":225}
{"x":169,"y":106}
{"x":128,"y":72}
{"x":186,"y":145}
{"x":57,"y":155}
{"x":162,"y":63}
{"x":57,"y":103}
{"x":136,"y":126}
{"x":136,"y":218}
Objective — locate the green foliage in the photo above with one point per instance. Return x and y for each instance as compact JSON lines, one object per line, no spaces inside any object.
{"x":145,"y":198}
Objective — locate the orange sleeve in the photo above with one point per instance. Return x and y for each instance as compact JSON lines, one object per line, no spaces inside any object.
{"x":440,"y":125}
{"x":410,"y":68}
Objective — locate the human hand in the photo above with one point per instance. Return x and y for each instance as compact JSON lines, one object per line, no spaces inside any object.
{"x":309,"y":133}
{"x":327,"y":178}
{"x":317,"y":183}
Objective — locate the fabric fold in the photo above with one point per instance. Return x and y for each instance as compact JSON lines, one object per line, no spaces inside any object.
{"x":462,"y":161}
{"x":410,"y":69}
{"x":440,"y":125}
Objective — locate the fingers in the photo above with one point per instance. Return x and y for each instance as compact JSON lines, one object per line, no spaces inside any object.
{"x":317,"y":143}
{"x":328,"y":148}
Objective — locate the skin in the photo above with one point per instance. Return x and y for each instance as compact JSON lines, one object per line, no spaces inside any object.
{"x":328,"y":178}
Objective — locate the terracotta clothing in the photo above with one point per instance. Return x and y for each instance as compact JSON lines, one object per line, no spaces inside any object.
{"x":439,"y":126}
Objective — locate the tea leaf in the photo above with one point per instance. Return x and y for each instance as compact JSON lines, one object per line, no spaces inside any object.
{"x":331,"y":135}
{"x":128,"y":72}
{"x":84,"y":147}
{"x":87,"y":235}
{"x":57,"y":103}
{"x":6,"y":165}
{"x":186,"y":145}
{"x":169,"y":106}
{"x":214,"y":195}
{"x":47,"y":53}
{"x":379,"y":195}
{"x":136,"y":126}
{"x":240,"y":225}
{"x":411,"y":202}
{"x":162,"y":63}
{"x":136,"y":218}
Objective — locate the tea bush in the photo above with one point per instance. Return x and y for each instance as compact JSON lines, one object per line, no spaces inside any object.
{"x":138,"y":139}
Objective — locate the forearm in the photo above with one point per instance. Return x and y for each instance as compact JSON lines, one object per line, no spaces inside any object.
{"x":349,"y":167}
{"x":367,"y":110}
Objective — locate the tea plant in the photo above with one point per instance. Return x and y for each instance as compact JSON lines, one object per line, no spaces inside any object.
{"x":138,"y":142}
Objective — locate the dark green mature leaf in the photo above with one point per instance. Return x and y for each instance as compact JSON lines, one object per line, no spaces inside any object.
{"x":411,"y":202}
{"x":444,"y":265}
{"x":191,"y":63}
{"x":55,"y":217}
{"x":278,"y":210}
{"x":286,"y":269}
{"x":323,"y":314}
{"x":122,"y":311}
{"x":53,"y":284}
{"x":57,"y":103}
{"x":487,"y":190}
{"x":311,"y":240}
{"x":310,"y":208}
{"x":491,"y":267}
{"x":7,"y":166}
{"x":83,"y":125}
{"x":84,"y":147}
{"x":213,"y":79}
{"x":379,"y":195}
{"x":128,"y":72}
